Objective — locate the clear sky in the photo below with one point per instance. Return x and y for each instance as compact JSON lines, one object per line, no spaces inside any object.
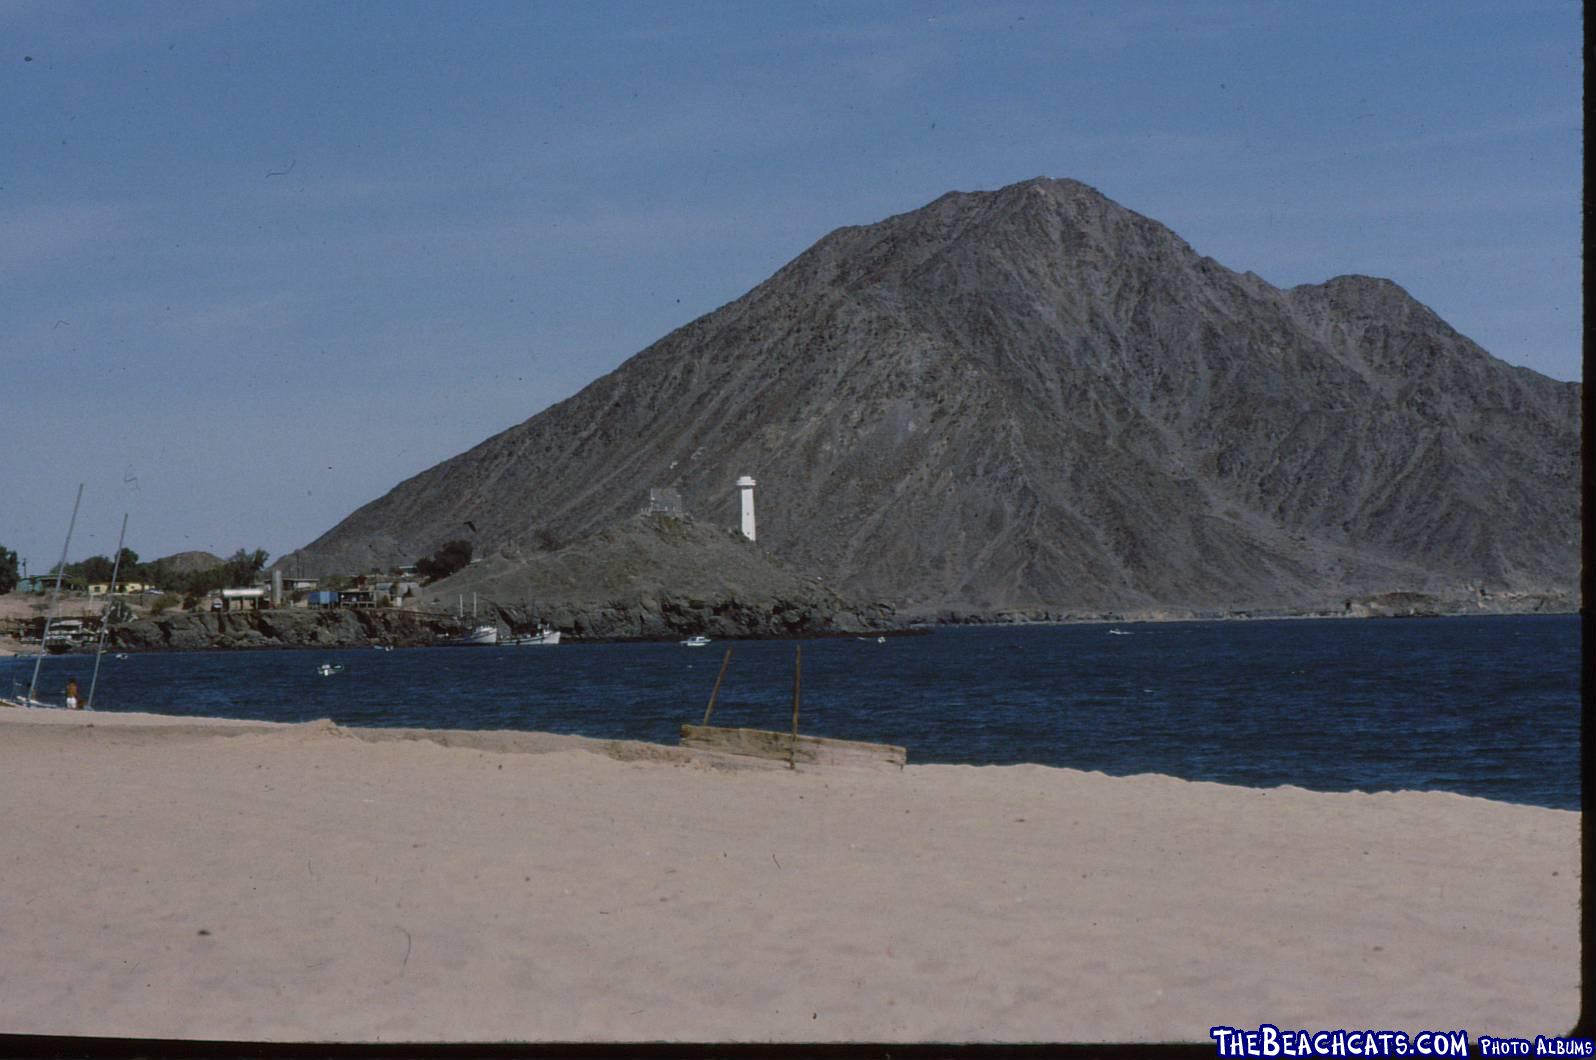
{"x":260,"y":262}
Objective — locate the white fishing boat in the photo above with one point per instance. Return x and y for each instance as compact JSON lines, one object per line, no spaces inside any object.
{"x":544,"y":636}
{"x":699,"y":641}
{"x":479,"y":637}
{"x":328,"y":669}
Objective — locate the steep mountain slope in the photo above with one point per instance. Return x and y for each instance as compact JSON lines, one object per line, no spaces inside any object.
{"x":1037,"y":397}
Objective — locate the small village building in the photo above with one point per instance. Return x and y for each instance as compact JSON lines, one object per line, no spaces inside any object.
{"x":102,"y":588}
{"x":357,"y":598}
{"x":239,"y":600}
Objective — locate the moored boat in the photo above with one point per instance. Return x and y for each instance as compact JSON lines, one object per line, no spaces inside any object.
{"x":544,"y":636}
{"x":481,"y":636}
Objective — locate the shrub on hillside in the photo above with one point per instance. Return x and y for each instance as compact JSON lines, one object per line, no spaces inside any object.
{"x":453,"y":556}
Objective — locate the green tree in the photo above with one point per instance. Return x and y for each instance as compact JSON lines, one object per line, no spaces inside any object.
{"x":129,"y":569}
{"x":243,"y":568}
{"x":8,"y":570}
{"x":240,"y":570}
{"x":93,"y":569}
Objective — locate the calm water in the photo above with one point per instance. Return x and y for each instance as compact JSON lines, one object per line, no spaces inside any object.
{"x":1482,"y":706}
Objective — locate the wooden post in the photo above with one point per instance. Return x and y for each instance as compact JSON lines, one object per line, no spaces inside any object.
{"x":723,"y":664}
{"x":797,"y":681}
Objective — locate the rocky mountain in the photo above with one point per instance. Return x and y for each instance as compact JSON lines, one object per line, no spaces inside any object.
{"x":656,"y":577}
{"x":1036,"y":398}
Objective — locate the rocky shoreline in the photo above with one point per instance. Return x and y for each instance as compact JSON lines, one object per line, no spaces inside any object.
{"x":661,"y":618}
{"x":1379,"y":605}
{"x":664,"y":617}
{"x":288,"y":628}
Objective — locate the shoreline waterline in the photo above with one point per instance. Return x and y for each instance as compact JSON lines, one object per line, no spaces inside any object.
{"x":535,"y":742}
{"x":1486,"y":707}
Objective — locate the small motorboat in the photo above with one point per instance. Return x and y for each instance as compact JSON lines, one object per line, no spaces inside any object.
{"x":328,"y":669}
{"x":698,"y":641}
{"x":1119,"y":633}
{"x":544,"y":636}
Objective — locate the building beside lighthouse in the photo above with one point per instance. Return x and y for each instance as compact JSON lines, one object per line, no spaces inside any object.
{"x":745,"y":486}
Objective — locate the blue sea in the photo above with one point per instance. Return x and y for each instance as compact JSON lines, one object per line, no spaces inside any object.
{"x":1486,"y":706}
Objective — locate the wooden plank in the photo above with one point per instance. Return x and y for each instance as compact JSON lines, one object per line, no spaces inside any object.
{"x":813,"y":750}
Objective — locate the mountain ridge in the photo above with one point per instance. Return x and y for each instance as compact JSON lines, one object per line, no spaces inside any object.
{"x":1034,"y":396}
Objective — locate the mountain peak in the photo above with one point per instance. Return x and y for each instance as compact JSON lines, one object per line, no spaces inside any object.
{"x":1034,"y":397}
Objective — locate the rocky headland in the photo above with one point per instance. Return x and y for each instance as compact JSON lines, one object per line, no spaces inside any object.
{"x":655,"y":577}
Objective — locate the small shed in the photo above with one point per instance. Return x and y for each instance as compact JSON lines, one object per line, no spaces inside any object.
{"x":242,"y":599}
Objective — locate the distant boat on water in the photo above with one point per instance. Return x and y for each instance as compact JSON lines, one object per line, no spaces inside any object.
{"x":479,"y":637}
{"x":544,"y":636}
{"x":699,"y":641}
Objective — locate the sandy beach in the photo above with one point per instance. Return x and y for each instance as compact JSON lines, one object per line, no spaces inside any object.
{"x":226,"y":880}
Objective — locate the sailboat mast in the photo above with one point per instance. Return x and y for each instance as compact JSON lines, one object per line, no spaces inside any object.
{"x":55,"y":597}
{"x":105,"y":616}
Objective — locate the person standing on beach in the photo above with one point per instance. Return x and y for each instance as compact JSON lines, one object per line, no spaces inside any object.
{"x":72,"y":693}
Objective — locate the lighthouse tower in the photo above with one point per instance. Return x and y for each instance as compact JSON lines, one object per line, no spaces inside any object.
{"x":746,"y":486}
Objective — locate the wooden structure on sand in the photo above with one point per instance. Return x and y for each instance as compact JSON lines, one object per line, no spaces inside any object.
{"x":765,"y":743}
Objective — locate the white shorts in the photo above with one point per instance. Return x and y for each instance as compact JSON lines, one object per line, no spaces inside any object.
{"x":72,"y":702}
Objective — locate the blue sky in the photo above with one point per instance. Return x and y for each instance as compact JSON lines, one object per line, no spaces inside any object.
{"x":260,"y":262}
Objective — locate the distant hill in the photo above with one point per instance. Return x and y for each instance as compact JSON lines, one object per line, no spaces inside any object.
{"x":1035,"y":397}
{"x":189,"y":562}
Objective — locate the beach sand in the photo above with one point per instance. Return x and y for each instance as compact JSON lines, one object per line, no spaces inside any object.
{"x":221,"y":880}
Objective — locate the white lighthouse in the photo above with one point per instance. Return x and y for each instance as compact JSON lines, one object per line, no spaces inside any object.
{"x":746,"y":485}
